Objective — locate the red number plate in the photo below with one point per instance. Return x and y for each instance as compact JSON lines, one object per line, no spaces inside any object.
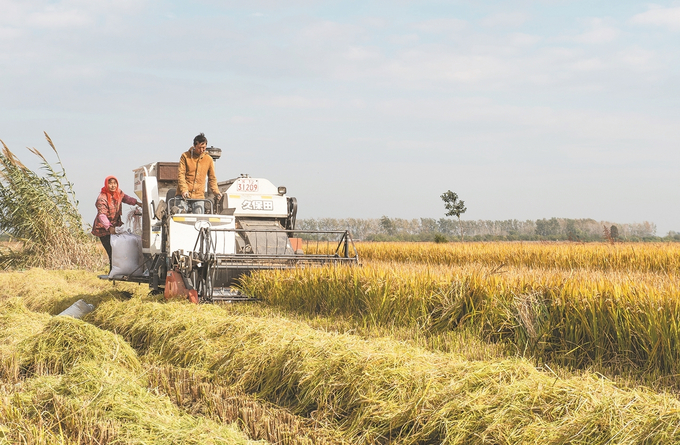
{"x":247,"y":185}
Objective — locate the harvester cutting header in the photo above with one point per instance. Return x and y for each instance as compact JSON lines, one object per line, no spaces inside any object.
{"x":197,"y":248}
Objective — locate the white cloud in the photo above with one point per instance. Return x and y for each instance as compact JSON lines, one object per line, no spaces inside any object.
{"x":521,"y":39}
{"x":375,"y":22}
{"x":590,"y":64}
{"x":404,"y":39}
{"x":52,"y":18}
{"x":507,"y":62}
{"x":600,"y":32}
{"x":242,"y":120}
{"x":417,"y":65}
{"x":324,"y":32}
{"x":638,"y":57}
{"x":512,"y":19}
{"x":667,"y":17}
{"x":8,"y":33}
{"x":296,"y":102}
{"x":12,"y":12}
{"x":358,"y":53}
{"x":65,"y":14}
{"x":440,"y":26}
{"x":506,"y":124}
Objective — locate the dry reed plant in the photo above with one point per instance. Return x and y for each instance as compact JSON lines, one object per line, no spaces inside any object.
{"x":41,"y":212}
{"x":382,"y":391}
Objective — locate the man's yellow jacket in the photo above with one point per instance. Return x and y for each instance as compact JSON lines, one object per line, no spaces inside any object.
{"x":192,"y":172}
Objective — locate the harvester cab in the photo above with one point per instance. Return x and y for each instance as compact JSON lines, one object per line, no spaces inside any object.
{"x":199,"y":251}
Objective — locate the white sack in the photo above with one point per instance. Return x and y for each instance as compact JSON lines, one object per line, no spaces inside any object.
{"x":126,"y":255}
{"x":78,"y":309}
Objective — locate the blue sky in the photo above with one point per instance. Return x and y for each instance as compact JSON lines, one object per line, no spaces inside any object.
{"x":527,"y":109}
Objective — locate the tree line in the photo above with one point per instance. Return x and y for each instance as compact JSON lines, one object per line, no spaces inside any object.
{"x":444,"y":229}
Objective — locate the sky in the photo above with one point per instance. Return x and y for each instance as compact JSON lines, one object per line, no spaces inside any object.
{"x":526,"y":109}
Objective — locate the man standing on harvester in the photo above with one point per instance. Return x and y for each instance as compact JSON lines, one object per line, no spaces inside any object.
{"x":194,"y":165}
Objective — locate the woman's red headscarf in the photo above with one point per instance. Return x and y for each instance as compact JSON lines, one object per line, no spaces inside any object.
{"x":109,"y":195}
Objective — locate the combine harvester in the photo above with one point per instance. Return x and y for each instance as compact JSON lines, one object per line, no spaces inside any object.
{"x":200,"y":256}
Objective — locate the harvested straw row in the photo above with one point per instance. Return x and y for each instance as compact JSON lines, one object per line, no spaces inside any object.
{"x":52,"y":291}
{"x":79,"y":384}
{"x":33,"y":413}
{"x":383,"y":391}
{"x":193,"y":391}
{"x":575,"y":319}
{"x":647,"y":257}
{"x":16,"y":324}
{"x":20,"y":422}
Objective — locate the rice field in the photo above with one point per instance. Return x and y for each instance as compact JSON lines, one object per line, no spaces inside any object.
{"x":465,"y":343}
{"x":663,"y":258}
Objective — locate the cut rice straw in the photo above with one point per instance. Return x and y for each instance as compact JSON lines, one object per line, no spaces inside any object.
{"x":384,"y":391}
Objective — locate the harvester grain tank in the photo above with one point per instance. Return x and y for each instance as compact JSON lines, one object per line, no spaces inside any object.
{"x":200,"y":256}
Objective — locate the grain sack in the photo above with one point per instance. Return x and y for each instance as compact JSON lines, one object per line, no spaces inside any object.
{"x":126,"y":255}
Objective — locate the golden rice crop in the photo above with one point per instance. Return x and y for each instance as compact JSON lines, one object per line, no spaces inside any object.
{"x":639,"y":257}
{"x":575,"y":318}
{"x":380,"y":390}
{"x":372,"y":390}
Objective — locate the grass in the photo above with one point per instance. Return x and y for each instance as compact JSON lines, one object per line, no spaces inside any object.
{"x":50,"y":291}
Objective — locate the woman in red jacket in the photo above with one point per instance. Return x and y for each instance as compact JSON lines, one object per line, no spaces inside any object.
{"x":109,"y":211}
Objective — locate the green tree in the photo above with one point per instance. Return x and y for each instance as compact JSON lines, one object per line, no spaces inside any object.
{"x":439,"y":238}
{"x":547,"y":227}
{"x":388,"y":225}
{"x":454,"y":206}
{"x":614,"y":231}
